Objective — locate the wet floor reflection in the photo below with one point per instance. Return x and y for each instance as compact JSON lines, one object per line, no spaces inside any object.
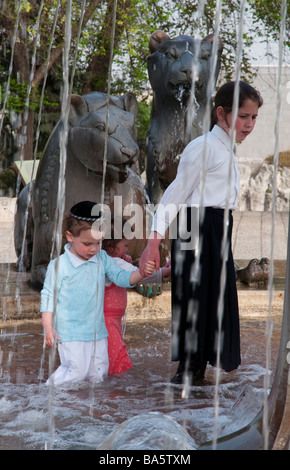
{"x":83,"y":415}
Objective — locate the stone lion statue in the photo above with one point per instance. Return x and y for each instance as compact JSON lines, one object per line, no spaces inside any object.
{"x":179,"y":70}
{"x":83,"y":175}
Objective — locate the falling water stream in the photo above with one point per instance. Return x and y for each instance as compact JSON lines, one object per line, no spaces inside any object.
{"x":83,"y":416}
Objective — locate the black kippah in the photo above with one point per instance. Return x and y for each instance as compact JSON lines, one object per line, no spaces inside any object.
{"x":83,"y":211}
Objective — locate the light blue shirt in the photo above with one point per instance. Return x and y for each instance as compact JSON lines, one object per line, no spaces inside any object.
{"x":80,"y":286}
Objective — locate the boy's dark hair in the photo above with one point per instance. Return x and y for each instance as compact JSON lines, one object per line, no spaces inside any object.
{"x":74,"y":226}
{"x":225,"y":98}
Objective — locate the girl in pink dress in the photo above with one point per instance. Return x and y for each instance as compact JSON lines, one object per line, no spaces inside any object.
{"x":115,"y":303}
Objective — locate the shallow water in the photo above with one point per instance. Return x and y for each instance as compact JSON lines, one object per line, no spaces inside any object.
{"x":83,"y":415}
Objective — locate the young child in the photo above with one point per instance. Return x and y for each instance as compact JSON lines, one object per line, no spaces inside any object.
{"x":115,"y":301}
{"x":74,"y":290}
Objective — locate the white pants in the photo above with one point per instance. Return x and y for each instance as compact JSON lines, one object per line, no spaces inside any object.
{"x":81,"y":360}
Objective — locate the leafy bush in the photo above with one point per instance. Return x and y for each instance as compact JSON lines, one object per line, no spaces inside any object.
{"x":8,"y":181}
{"x":284,"y":159}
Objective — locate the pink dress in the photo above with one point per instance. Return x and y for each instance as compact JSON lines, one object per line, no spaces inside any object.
{"x":115,"y":303}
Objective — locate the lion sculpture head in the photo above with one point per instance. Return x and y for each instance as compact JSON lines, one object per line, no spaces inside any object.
{"x":179,"y":70}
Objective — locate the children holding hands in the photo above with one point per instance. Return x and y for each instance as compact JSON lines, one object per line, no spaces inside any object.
{"x":72,"y":299}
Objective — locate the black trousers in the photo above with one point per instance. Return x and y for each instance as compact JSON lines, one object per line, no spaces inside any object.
{"x":196,"y":287}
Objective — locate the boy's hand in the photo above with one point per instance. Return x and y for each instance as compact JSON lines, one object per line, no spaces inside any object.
{"x":151,"y":252}
{"x":149,"y":268}
{"x":50,"y":337}
{"x":49,"y":332}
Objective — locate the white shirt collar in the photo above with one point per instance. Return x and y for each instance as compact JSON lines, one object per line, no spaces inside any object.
{"x":223,"y":137}
{"x":75,"y":260}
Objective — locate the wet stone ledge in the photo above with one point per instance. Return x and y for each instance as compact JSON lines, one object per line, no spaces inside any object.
{"x":19,"y":301}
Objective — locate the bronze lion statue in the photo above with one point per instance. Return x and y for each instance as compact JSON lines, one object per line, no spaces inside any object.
{"x":83,"y":175}
{"x":179,"y":71}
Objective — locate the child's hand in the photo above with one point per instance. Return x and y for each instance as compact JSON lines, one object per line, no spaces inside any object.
{"x":127,"y":258}
{"x":166,"y":269}
{"x":49,"y":331}
{"x":149,"y":268}
{"x":50,"y":337}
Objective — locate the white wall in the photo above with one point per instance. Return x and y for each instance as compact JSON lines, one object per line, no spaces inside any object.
{"x":261,"y":143}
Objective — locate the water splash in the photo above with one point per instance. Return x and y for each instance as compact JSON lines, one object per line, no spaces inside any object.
{"x":268,"y":331}
{"x":18,"y":9}
{"x":224,"y":247}
{"x":37,"y":419}
{"x":149,"y":431}
{"x":84,"y":417}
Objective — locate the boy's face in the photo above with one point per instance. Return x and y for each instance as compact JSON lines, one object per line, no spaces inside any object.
{"x":86,"y":245}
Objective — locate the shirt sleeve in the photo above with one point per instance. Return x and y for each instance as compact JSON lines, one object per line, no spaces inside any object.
{"x":47,"y":292}
{"x":178,"y":192}
{"x":155,"y":278}
{"x":123,"y":265}
{"x":117,"y":275}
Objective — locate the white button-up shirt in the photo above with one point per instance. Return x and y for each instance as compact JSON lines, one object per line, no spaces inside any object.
{"x":207,"y":176}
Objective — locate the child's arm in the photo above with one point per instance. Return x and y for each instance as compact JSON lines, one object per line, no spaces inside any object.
{"x":48,"y":329}
{"x":166,"y":269}
{"x":136,"y":276}
{"x":156,"y":277}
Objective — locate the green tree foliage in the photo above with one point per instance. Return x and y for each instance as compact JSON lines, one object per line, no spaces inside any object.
{"x":268,"y":13}
{"x":135,"y":21}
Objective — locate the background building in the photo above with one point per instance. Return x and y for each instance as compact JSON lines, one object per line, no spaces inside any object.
{"x":261,"y":143}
